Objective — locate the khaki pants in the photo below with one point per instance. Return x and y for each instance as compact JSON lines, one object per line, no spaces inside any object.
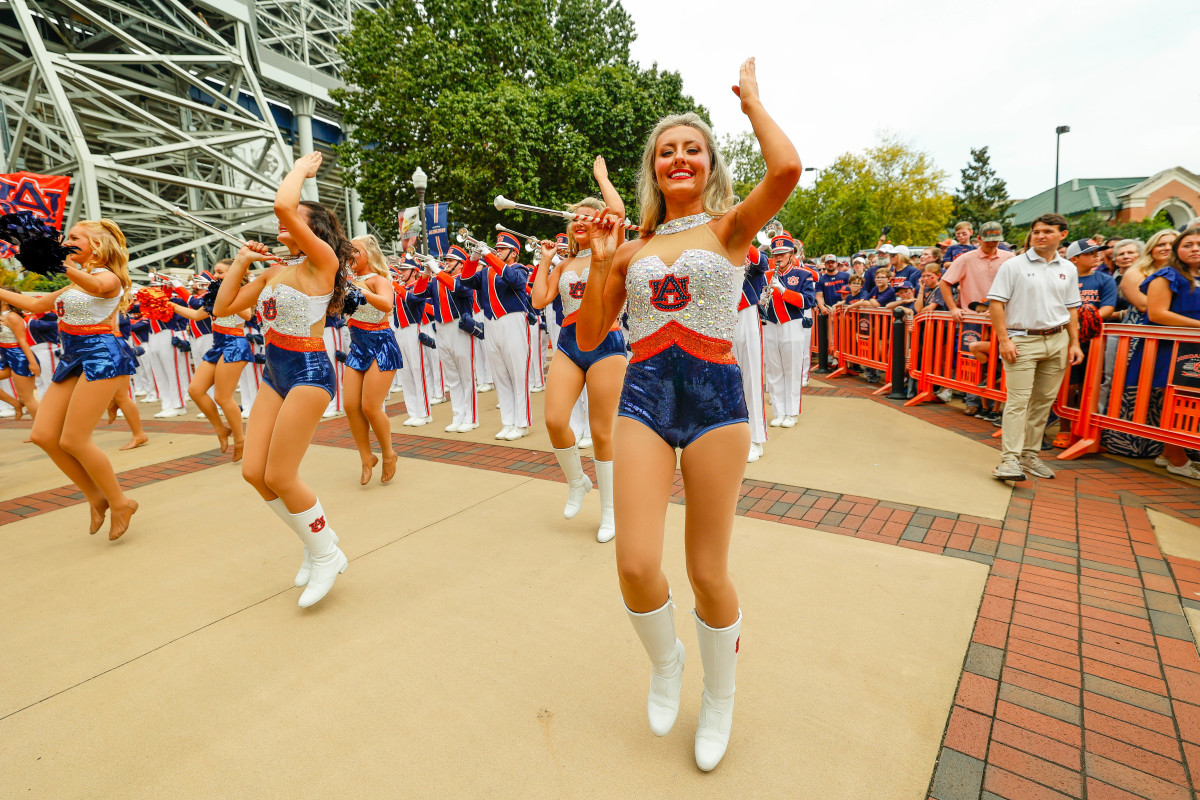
{"x":1033,"y":381}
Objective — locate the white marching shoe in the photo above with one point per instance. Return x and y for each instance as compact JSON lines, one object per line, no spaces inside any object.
{"x":451,"y":428}
{"x":718,"y":652}
{"x":789,"y":422}
{"x":776,"y":422}
{"x":608,"y":522}
{"x":578,"y":483}
{"x":516,"y":432}
{"x":585,"y":442}
{"x":756,"y":452}
{"x":463,"y":427}
{"x":656,"y":629}
{"x":484,"y":387}
{"x":504,"y":432}
{"x":437,"y":400}
{"x":281,"y":511}
{"x":328,"y":561}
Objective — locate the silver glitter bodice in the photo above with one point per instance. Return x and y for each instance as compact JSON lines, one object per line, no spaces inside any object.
{"x":699,"y":291}
{"x":568,"y":281}
{"x":368,"y":313}
{"x":6,"y":334}
{"x":290,"y":311}
{"x":231,"y":321}
{"x":76,"y":307}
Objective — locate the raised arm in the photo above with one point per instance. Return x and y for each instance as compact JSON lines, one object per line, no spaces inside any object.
{"x":379,"y":293}
{"x":27,"y":302}
{"x":321,"y":257}
{"x":545,"y":282}
{"x":604,"y":295}
{"x":738,"y":228}
{"x":190,"y":313}
{"x":97,"y":284}
{"x":232,"y":297}
{"x":607,"y":191}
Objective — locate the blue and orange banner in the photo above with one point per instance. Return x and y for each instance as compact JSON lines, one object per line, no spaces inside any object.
{"x":43,"y":195}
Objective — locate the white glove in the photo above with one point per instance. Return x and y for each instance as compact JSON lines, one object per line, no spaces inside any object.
{"x":776,"y":284}
{"x":435,"y":267}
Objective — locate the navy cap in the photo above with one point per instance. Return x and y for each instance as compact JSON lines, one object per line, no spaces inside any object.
{"x":1081,"y":247}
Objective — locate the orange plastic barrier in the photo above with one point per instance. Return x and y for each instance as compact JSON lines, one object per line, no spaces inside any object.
{"x":864,"y":338}
{"x":939,"y":357}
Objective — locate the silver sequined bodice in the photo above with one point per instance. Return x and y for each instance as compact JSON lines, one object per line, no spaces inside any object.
{"x":290,"y":311}
{"x":568,"y":279}
{"x":6,"y":334}
{"x":231,"y":321}
{"x":75,"y":307}
{"x":368,"y":313}
{"x":700,"y":291}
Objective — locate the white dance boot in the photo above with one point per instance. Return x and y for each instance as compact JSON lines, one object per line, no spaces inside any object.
{"x":656,"y":629}
{"x":718,"y":652}
{"x":608,"y":523}
{"x":327,"y":560}
{"x":281,"y":511}
{"x":578,"y":484}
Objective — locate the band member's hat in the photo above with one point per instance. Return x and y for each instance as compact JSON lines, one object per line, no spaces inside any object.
{"x":506,"y":239}
{"x":456,"y":252}
{"x":783,"y":243}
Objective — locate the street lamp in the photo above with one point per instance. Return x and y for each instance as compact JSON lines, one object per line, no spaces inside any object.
{"x":1058,"y":132}
{"x":420,"y":182}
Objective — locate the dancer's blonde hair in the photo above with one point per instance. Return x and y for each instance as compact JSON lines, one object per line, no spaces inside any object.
{"x":718,"y":191}
{"x":108,"y":252}
{"x":587,"y":202}
{"x":1145,"y":262}
{"x":375,"y":260}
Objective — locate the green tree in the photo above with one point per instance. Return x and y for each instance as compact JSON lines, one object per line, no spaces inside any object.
{"x":983,"y":196}
{"x":744,"y":158}
{"x":1084,"y":226}
{"x":11,"y":277}
{"x":891,"y":183}
{"x":513,"y":97}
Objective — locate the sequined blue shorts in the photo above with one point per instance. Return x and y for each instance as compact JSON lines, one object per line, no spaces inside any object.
{"x":14,"y":358}
{"x":286,"y":369}
{"x":612,"y":345}
{"x":231,"y":348}
{"x":681,"y":397}
{"x":99,"y":356}
{"x":367,"y":347}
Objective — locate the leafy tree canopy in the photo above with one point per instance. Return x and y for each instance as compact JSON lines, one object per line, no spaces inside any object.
{"x":513,"y":97}
{"x":12,"y":278}
{"x":983,"y":196}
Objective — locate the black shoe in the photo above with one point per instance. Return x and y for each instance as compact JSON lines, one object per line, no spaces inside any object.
{"x":1047,"y":445}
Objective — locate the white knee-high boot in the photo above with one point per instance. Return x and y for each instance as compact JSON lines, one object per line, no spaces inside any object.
{"x":328,"y":561}
{"x":656,"y":629}
{"x":608,"y":523}
{"x":281,"y":511}
{"x":578,"y":484}
{"x":718,"y":652}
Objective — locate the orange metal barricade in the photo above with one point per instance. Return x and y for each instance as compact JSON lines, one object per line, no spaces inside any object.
{"x":864,"y":338}
{"x":939,"y":358}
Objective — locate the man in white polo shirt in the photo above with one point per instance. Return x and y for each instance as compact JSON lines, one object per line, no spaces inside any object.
{"x":1035,"y":319}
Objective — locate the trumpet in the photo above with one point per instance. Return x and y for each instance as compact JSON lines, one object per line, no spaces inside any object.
{"x":531,"y":242}
{"x":502,"y":203}
{"x":229,"y":237}
{"x":421,"y":258}
{"x":769,"y":232}
{"x":464,"y":237}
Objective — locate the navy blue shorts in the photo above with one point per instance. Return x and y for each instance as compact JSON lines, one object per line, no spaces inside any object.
{"x":99,"y":356}
{"x":613,"y":344}
{"x":231,"y":348}
{"x":14,"y":358}
{"x":373,"y":347}
{"x":681,"y":397}
{"x":287,"y":368}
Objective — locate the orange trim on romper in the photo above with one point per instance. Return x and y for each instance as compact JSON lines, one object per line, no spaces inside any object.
{"x":572,"y":318}
{"x":705,"y":348}
{"x":85,"y":330}
{"x":297,"y":344}
{"x":9,"y":346}
{"x":229,"y":331}
{"x":382,"y":325}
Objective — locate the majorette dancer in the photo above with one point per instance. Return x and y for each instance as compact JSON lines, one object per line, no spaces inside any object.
{"x":298,"y":379}
{"x":221,"y":367}
{"x":459,"y":336}
{"x":373,"y":359}
{"x":499,"y":285}
{"x":683,"y":389}
{"x":410,"y":308}
{"x":748,"y":348}
{"x":93,"y":366}
{"x":788,"y":316}
{"x":17,"y":361}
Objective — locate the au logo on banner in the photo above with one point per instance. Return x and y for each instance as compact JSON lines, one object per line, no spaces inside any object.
{"x":43,"y":195}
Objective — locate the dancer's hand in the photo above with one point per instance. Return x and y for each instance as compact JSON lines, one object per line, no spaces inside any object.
{"x":256,"y":251}
{"x":35,"y":367}
{"x":549,"y":248}
{"x":308,"y":164}
{"x":600,"y":169}
{"x":607,"y":234}
{"x":747,"y":88}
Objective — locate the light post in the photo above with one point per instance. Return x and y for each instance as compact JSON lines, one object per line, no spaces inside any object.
{"x":1058,"y":132}
{"x":420,"y":182}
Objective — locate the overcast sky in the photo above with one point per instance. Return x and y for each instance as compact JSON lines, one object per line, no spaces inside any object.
{"x":950,"y":75}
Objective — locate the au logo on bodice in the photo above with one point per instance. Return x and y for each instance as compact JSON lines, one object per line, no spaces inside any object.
{"x":270,"y":309}
{"x":670,"y":293}
{"x":59,"y":308}
{"x":576,"y":289}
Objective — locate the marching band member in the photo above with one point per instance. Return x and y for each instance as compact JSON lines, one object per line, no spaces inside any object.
{"x":748,"y":348}
{"x":373,"y":359}
{"x":554,"y":319}
{"x":43,"y":330}
{"x":500,"y":286}
{"x":456,"y":337}
{"x":221,"y":368}
{"x":251,"y":380}
{"x":435,"y":377}
{"x":298,"y":380}
{"x":17,"y":361}
{"x":201,"y":327}
{"x":168,"y":366}
{"x":537,"y":344}
{"x":334,"y":336}
{"x":410,"y":308}
{"x":123,"y":397}
{"x":601,"y":369}
{"x":93,"y":366}
{"x":792,"y":294}
{"x":683,"y":389}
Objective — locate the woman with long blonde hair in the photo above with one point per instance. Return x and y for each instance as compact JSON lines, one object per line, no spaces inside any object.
{"x":1155,"y":256}
{"x":601,"y":370}
{"x":682,"y":281}
{"x":17,"y":361}
{"x":373,"y":359}
{"x":93,"y":366}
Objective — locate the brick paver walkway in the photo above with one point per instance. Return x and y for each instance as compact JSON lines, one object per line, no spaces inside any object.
{"x":1082,"y":679}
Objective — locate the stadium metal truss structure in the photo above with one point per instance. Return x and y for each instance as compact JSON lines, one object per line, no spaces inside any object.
{"x":154,"y":104}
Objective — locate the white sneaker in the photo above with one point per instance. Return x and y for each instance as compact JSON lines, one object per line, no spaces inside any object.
{"x":945,"y":395}
{"x":149,"y":399}
{"x":245,"y":413}
{"x":789,"y":422}
{"x":504,"y":432}
{"x":437,"y":400}
{"x":775,"y":423}
{"x":1188,"y":470}
{"x":200,"y":416}
{"x":140,"y":393}
{"x":536,"y":389}
{"x":485,"y":387}
{"x":756,"y":452}
{"x":463,"y":427}
{"x":7,"y":413}
{"x":120,"y":414}
{"x":330,"y":413}
{"x":170,"y":412}
{"x":585,"y":441}
{"x":451,"y":428}
{"x":516,"y":433}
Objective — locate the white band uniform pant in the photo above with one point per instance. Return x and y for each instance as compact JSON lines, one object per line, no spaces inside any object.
{"x":434,"y":379}
{"x":336,"y":339}
{"x":47,"y":361}
{"x":170,"y":368}
{"x":506,"y":342}
{"x":748,"y":350}
{"x":457,"y":349}
{"x":784,"y":351}
{"x":412,"y":373}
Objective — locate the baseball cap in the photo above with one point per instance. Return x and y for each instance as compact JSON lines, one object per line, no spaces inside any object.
{"x":946,"y":243}
{"x":902,"y":250}
{"x":859,"y":260}
{"x":991,"y":232}
{"x":1081,"y":247}
{"x":828,"y":257}
{"x":887,"y":248}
